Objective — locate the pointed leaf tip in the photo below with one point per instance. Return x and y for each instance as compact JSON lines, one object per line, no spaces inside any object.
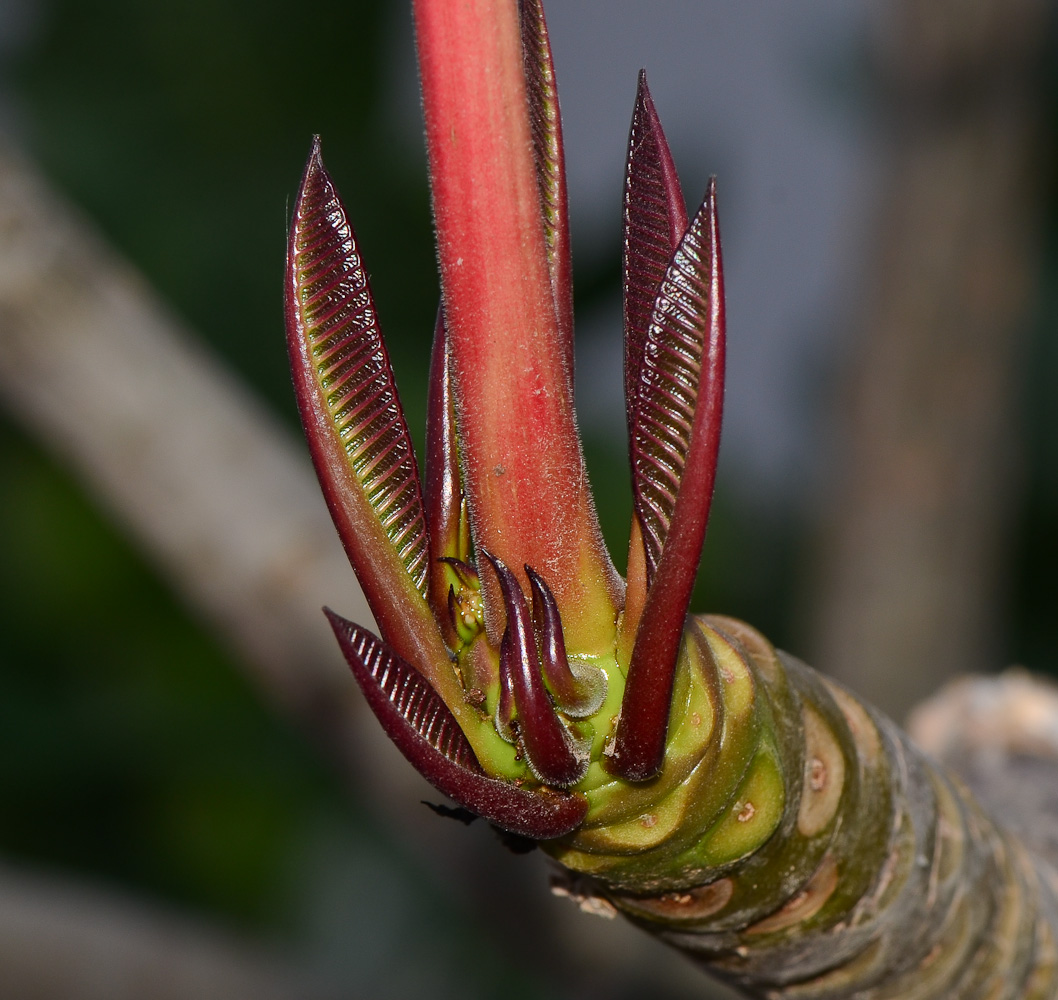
{"x":578,"y":693}
{"x":425,"y":731}
{"x":675,"y":446}
{"x":655,"y":219}
{"x":335,"y":332}
{"x":679,"y":388}
{"x":352,"y":415}
{"x":411,"y":712}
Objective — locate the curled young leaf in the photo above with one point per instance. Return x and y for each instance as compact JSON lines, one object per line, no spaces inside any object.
{"x":425,"y":731}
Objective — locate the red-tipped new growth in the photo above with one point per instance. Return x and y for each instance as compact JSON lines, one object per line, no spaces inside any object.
{"x":505,"y":708}
{"x":675,"y":441}
{"x":655,"y":219}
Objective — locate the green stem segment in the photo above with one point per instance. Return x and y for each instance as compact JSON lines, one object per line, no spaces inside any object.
{"x":878,"y":877}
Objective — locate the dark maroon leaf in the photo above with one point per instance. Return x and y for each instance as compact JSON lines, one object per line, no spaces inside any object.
{"x":425,"y":731}
{"x":577,"y":695}
{"x":677,"y":438}
{"x":655,"y":220}
{"x":549,"y":747}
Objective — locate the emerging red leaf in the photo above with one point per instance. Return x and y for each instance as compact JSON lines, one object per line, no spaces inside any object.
{"x":354,"y":422}
{"x":676,"y":439}
{"x":655,"y":219}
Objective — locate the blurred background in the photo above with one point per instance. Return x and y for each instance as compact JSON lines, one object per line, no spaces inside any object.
{"x":191,"y":801}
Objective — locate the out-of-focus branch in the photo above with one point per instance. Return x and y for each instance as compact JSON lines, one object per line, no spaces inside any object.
{"x":1000,"y":735}
{"x":210,"y":486}
{"x":63,"y":940}
{"x":216,"y":493}
{"x":911,"y":555}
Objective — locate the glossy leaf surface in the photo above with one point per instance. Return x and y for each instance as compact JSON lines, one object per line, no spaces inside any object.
{"x":655,"y":219}
{"x":551,"y":751}
{"x":679,"y":388}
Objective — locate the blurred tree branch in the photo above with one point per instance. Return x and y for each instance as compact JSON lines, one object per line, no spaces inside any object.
{"x":212,"y":488}
{"x":58,"y":939}
{"x":1000,"y":735}
{"x":910,"y":568}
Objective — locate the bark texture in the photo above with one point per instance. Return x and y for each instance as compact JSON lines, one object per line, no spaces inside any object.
{"x":883,"y":877}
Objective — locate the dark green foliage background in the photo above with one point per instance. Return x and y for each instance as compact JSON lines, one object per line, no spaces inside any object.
{"x":131,"y":750}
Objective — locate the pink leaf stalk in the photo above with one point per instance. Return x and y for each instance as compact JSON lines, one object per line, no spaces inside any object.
{"x":525,"y":477}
